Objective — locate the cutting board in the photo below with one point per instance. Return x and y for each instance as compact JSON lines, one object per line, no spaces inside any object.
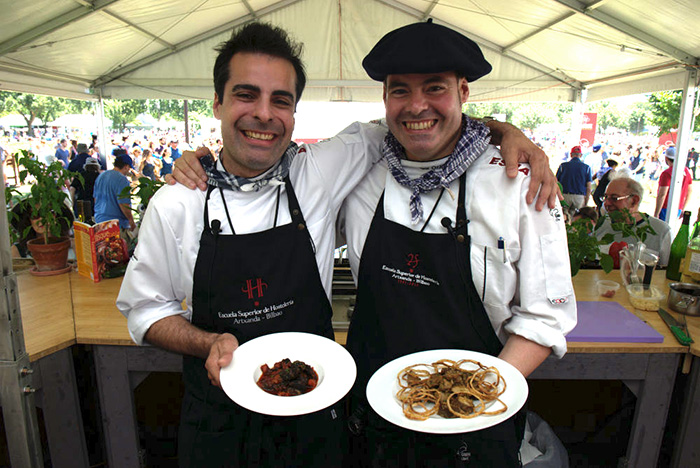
{"x":610,"y":322}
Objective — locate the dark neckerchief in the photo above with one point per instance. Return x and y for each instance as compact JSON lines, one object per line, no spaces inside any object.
{"x":225,"y":180}
{"x":472,"y":143}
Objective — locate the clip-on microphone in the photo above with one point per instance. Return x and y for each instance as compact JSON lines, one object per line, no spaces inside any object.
{"x":215,"y":227}
{"x":447,"y":223}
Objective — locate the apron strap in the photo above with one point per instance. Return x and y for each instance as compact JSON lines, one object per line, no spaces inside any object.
{"x":295,"y":211}
{"x":228,"y":216}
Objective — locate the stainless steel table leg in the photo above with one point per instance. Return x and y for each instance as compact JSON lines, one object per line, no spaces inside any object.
{"x":19,"y":414}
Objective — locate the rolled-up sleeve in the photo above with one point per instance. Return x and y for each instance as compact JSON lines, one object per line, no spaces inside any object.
{"x":154,"y":286}
{"x":546,"y":309}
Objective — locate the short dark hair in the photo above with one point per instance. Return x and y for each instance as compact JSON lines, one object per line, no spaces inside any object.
{"x":260,"y":38}
{"x":119,"y":163}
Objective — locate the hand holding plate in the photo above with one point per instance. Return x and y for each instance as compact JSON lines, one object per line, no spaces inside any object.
{"x":220,"y":355}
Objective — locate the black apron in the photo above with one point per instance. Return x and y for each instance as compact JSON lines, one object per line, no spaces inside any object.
{"x":415,"y":293}
{"x":236,"y":278}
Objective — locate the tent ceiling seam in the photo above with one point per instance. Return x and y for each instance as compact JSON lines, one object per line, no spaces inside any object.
{"x":565,"y":79}
{"x":126,"y":69}
{"x":619,"y":25}
{"x":52,"y":25}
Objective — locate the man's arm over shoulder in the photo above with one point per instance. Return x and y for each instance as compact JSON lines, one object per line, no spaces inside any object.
{"x":343,"y":161}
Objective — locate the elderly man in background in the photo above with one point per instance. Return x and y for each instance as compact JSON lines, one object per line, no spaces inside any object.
{"x":665,"y":184}
{"x":575,"y":179}
{"x":625,"y":193}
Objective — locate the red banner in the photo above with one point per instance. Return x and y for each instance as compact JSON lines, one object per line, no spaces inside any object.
{"x":668,"y":139}
{"x":588,"y":128}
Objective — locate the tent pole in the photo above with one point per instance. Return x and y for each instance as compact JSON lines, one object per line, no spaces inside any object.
{"x":187,"y":123}
{"x":577,"y":117}
{"x":102,"y":135}
{"x":685,"y":130}
{"x":16,"y":383}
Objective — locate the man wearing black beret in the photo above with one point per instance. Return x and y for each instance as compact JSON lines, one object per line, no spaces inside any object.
{"x":447,"y":254}
{"x":433,"y":157}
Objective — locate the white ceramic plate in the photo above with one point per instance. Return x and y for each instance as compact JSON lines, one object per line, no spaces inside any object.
{"x":334,"y":365}
{"x":382,"y":388}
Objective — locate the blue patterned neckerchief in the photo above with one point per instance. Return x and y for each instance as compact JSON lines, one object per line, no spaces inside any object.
{"x":273,"y":176}
{"x":471,"y":144}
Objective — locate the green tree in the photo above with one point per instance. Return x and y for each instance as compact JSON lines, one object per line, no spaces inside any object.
{"x":665,"y":109}
{"x":175,"y":109}
{"x":530,"y":115}
{"x":32,"y":106}
{"x":123,"y":111}
{"x":638,"y":117}
{"x":610,"y":114}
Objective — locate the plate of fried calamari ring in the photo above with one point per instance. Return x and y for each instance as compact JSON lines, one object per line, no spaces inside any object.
{"x":447,"y":391}
{"x":288,"y":374}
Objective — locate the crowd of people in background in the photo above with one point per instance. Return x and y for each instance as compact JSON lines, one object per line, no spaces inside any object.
{"x":152,"y":152}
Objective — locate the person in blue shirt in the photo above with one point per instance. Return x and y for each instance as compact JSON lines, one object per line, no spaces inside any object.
{"x":175,"y":152}
{"x":62,"y":152}
{"x":78,"y":162}
{"x":108,"y":202}
{"x":575,"y":179}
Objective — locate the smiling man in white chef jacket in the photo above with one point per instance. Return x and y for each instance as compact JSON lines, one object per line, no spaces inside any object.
{"x":446,"y":252}
{"x":260,"y":185}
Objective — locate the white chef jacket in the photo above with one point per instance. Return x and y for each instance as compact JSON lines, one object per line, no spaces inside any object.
{"x":528,"y":289}
{"x":160,"y":274}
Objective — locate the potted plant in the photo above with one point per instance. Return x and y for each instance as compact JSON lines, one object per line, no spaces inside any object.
{"x":50,"y":216}
{"x":144,"y":191}
{"x":584,"y":247}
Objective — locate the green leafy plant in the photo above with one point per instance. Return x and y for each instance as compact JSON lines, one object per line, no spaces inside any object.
{"x":13,"y":197}
{"x":144,"y":191}
{"x":584,"y":247}
{"x":625,"y":223}
{"x":46,"y":197}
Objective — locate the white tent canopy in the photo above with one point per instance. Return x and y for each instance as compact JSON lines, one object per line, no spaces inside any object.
{"x":81,"y":121}
{"x":540,"y":49}
{"x":16,"y":120}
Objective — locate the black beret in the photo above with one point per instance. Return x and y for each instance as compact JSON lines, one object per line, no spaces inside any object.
{"x":425,"y":48}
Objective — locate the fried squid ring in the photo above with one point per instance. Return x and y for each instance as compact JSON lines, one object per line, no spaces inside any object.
{"x":447,"y":388}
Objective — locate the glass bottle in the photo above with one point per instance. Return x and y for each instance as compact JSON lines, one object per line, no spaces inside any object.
{"x":678,"y":249}
{"x":691,"y":266}
{"x":696,"y":227}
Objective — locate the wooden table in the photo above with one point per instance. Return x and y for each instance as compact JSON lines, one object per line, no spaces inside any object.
{"x":49,"y":332}
{"x":647,"y":368}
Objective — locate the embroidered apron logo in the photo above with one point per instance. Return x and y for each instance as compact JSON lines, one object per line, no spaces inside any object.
{"x":256,"y":315}
{"x":412,"y":261}
{"x":256,"y":290}
{"x":409,"y":278}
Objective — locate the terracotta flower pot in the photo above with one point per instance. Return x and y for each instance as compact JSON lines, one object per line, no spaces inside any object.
{"x":51,"y":258}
